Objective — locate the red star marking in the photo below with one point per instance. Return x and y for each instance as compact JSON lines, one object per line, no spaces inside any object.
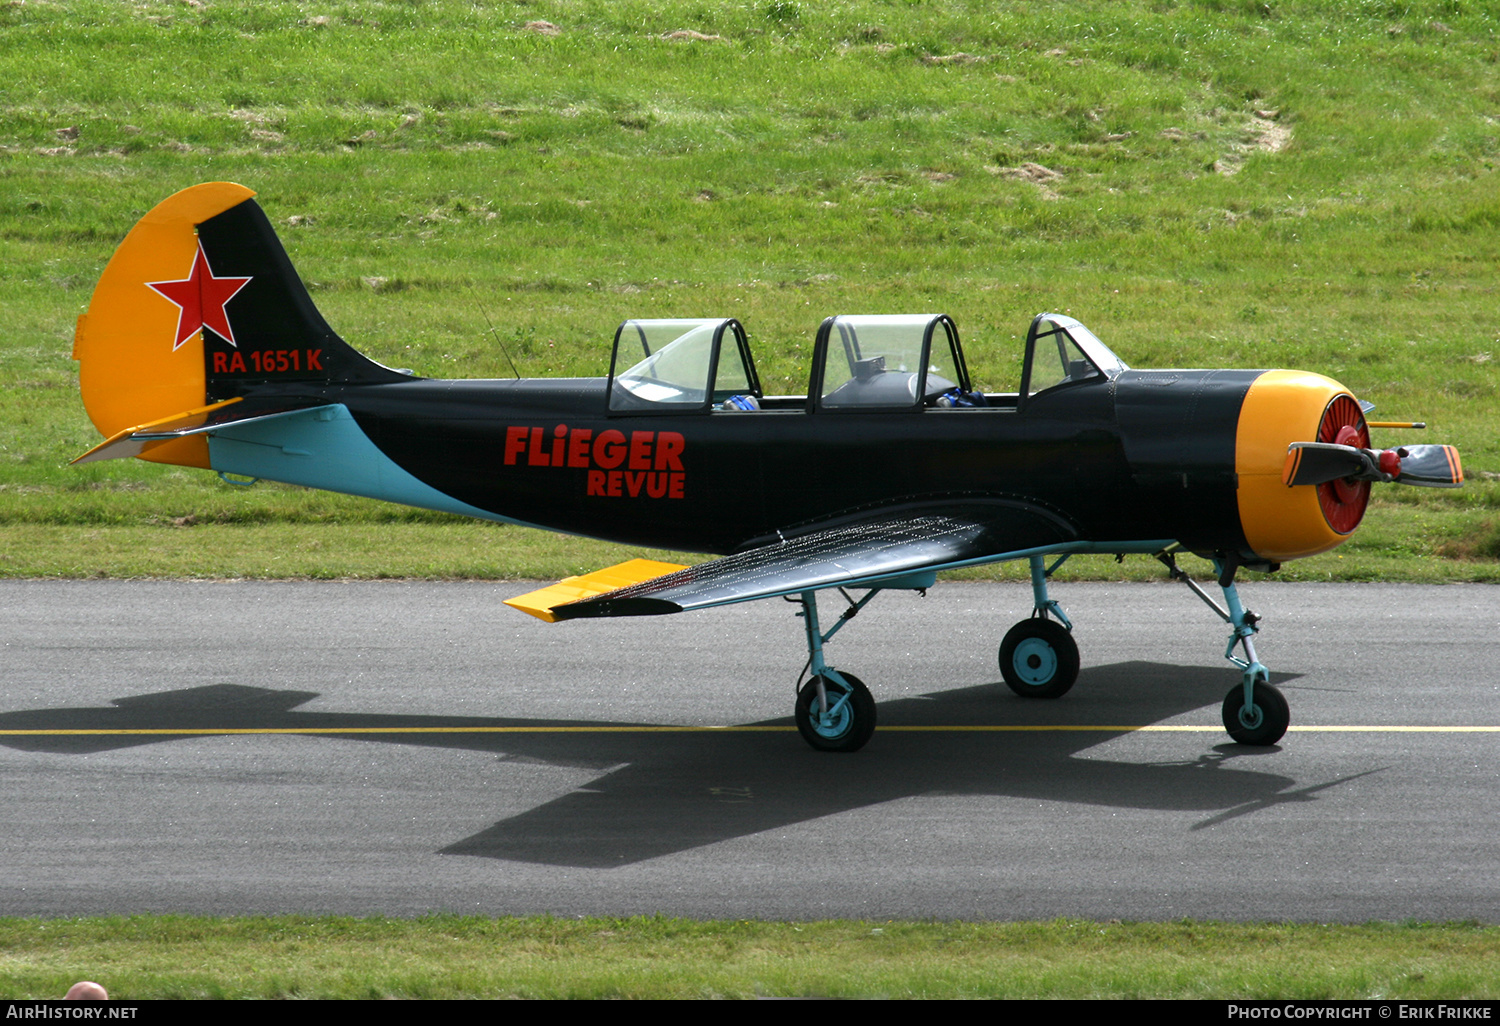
{"x":201,"y":298}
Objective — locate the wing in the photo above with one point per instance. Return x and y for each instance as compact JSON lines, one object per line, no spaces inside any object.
{"x":873,"y":549}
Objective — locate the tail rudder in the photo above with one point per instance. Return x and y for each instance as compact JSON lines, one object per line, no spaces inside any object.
{"x":277,"y":334}
{"x":132,"y":369}
{"x":200,"y":304}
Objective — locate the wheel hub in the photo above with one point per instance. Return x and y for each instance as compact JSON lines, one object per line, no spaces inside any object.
{"x":1035,"y":661}
{"x":1039,"y":658}
{"x":834,"y":722}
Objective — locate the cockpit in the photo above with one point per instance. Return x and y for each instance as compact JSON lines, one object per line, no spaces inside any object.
{"x":1060,"y":351}
{"x":900,"y":362}
{"x":680,"y":365}
{"x":861,"y":363}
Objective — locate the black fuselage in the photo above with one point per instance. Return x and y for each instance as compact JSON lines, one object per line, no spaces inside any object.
{"x":1150,"y":455}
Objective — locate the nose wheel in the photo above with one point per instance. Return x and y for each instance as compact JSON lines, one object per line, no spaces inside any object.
{"x":1263,"y":721}
{"x":1039,"y":659}
{"x":1254,"y":712}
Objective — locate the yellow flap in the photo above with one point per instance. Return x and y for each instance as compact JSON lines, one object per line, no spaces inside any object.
{"x":540,"y":603}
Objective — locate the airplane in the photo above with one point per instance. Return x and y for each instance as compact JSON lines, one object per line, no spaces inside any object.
{"x":202,"y":348}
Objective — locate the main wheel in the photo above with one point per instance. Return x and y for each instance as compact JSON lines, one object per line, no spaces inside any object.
{"x":1264,"y":722}
{"x":845,"y":728}
{"x":1039,"y":659}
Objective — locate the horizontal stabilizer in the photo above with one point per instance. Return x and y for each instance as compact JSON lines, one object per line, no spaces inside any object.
{"x":204,"y":420}
{"x":540,"y":603}
{"x":883,"y":548}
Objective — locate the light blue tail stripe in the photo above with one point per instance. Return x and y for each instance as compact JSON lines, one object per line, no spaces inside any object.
{"x":324,"y":448}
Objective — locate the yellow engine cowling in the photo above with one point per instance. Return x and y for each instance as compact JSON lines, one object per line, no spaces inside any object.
{"x":1282,"y":522}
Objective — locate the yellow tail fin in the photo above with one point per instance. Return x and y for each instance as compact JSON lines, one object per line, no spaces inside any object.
{"x":132,"y":368}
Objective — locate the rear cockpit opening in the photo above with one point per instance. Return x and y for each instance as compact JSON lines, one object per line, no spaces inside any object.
{"x":682,"y":365}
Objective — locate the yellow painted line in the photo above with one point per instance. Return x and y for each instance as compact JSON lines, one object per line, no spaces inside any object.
{"x":187,"y":731}
{"x":1051,"y":728}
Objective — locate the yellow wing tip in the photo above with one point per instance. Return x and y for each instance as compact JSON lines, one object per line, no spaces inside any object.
{"x":535,"y":604}
{"x":541,"y":602}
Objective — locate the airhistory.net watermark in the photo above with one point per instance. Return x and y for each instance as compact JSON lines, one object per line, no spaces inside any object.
{"x":56,"y":1010}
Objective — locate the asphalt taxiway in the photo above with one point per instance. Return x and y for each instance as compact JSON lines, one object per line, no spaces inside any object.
{"x":402,"y":747}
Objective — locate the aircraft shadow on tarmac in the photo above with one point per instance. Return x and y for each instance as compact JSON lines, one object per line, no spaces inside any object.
{"x":661,"y":793}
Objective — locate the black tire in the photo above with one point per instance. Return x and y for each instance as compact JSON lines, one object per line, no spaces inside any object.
{"x":852,"y":727}
{"x":1039,"y":659}
{"x":1270,"y":717}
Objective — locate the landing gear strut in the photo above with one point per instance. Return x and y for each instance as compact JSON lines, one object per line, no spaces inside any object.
{"x":834,"y":710}
{"x":1039,"y":658}
{"x":1255,"y":713}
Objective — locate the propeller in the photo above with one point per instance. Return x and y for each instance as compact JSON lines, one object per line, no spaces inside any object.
{"x":1430,"y":466}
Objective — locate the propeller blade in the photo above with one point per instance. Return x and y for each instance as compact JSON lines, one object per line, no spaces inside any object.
{"x":1312,"y":463}
{"x":1430,"y":466}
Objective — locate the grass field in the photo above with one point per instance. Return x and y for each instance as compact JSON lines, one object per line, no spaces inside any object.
{"x":1309,"y":184}
{"x":658,"y":957}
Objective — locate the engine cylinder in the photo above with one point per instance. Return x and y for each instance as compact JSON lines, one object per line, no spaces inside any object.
{"x":1343,"y":501}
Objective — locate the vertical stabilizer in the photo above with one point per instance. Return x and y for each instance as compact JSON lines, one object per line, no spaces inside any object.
{"x":200,"y":304}
{"x":273,"y":333}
